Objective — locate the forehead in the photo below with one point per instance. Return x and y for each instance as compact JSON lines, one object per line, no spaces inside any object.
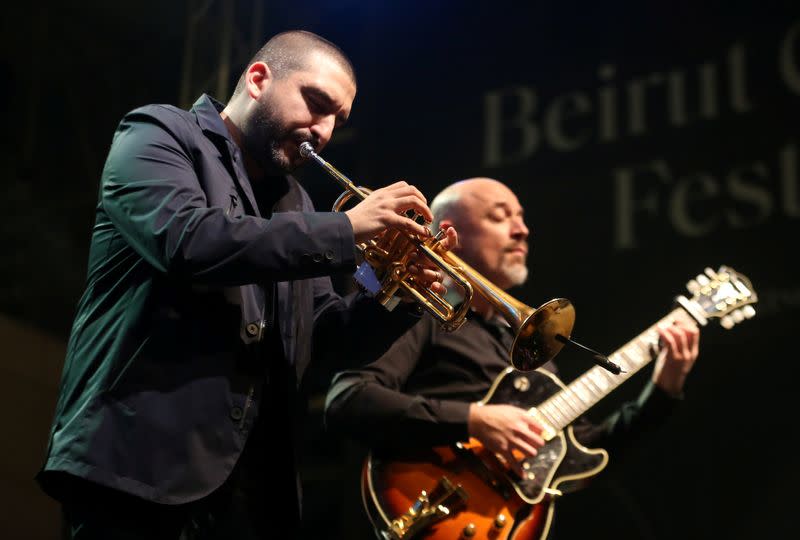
{"x":325,"y":73}
{"x":485,"y":196}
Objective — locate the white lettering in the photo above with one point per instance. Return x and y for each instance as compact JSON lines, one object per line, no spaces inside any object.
{"x":697,"y":187}
{"x":495,"y":142}
{"x":742,"y":190}
{"x":627,"y":205}
{"x":788,"y":60}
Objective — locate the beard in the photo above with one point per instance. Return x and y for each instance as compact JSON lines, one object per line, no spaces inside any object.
{"x":516,"y":274}
{"x":266,"y":137}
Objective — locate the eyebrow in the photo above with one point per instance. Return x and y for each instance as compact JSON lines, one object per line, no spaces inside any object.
{"x":318,"y":92}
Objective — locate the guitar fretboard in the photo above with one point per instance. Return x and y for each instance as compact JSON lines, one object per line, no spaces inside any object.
{"x":565,"y":406}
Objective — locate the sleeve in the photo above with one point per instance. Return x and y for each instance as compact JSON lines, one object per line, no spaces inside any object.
{"x":638,"y":417}
{"x":370,"y":404}
{"x":154,"y":198}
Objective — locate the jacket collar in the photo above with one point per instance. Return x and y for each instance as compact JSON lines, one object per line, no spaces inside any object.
{"x":206,"y":109}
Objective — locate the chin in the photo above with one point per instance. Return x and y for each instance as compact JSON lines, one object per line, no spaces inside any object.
{"x":516,"y":274}
{"x":281,"y":161}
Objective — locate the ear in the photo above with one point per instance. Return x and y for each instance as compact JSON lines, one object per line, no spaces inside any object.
{"x":445,"y":223}
{"x":258,"y":78}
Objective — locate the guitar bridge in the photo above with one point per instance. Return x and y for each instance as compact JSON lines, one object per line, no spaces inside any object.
{"x":444,"y":500}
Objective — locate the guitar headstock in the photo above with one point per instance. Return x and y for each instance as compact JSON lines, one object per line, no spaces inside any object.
{"x":725,"y":294}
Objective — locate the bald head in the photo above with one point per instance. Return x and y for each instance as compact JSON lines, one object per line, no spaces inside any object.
{"x":292,"y":51}
{"x":492,"y":235}
{"x":459,"y":200}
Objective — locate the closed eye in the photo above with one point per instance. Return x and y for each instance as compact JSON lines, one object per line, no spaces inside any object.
{"x":319,"y":102}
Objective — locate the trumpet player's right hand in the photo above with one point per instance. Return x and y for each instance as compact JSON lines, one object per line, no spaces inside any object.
{"x":386,"y":207}
{"x":507,"y":431}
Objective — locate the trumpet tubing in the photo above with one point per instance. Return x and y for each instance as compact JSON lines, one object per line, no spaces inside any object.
{"x":389,"y":253}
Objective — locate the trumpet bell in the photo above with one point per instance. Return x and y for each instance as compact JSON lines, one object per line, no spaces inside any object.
{"x":535,"y":342}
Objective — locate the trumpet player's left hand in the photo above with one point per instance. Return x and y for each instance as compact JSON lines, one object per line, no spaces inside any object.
{"x":386,"y":207}
{"x":426,"y":271}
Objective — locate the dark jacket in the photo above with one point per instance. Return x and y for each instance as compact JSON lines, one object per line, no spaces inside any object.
{"x":190,"y":295}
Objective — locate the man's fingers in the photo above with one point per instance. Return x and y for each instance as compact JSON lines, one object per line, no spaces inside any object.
{"x":402,"y":188}
{"x":410,"y":226}
{"x":668,"y":339}
{"x":450,"y":241}
{"x":401,"y":205}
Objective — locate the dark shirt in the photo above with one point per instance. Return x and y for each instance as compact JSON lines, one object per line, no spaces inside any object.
{"x":418,"y":394}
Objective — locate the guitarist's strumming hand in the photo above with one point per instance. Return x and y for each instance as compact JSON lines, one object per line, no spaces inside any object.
{"x":679,"y":349}
{"x":506,"y":430}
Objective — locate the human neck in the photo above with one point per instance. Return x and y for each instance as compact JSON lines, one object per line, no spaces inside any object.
{"x":255,"y":172}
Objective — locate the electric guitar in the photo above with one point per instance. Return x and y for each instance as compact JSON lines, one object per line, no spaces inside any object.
{"x":464,"y":491}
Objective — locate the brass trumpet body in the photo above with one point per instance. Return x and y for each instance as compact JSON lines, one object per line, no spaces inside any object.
{"x":389,"y":254}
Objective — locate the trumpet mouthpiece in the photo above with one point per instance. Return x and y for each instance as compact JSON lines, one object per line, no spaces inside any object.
{"x":306,"y":149}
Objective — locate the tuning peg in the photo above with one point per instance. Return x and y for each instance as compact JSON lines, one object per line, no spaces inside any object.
{"x":711,"y":274}
{"x":749,"y":312}
{"x":703,"y":280}
{"x":693,"y":286}
{"x":737,"y":315}
{"x":727,"y":322}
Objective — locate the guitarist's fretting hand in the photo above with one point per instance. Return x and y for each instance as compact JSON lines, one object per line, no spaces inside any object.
{"x":679,"y":349}
{"x":507,"y":431}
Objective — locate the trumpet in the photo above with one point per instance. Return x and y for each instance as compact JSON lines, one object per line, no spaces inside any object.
{"x":385,"y":271}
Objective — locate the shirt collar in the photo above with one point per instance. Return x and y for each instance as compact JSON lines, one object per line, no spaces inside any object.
{"x":206,"y":109}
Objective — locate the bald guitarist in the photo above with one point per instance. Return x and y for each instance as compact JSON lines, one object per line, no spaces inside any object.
{"x":429,"y":389}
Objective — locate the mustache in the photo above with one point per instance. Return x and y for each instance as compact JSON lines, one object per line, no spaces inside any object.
{"x":309,"y":138}
{"x":518,"y":245}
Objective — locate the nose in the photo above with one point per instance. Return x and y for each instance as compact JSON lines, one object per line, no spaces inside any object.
{"x":519,"y":231}
{"x":322,"y":129}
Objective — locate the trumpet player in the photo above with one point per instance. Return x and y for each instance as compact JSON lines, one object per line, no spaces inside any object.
{"x":208,"y":284}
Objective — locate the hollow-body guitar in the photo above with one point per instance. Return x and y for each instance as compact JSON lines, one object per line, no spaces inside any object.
{"x":465,"y":491}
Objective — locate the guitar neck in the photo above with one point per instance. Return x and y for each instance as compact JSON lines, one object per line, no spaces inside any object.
{"x":581,"y":394}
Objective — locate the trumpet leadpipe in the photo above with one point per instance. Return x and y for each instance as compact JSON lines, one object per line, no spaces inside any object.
{"x":307,"y":151}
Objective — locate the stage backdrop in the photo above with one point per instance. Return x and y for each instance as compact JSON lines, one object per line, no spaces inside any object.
{"x":645,"y":146}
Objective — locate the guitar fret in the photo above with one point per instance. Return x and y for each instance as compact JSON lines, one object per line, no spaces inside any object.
{"x":591,"y":376}
{"x":562,"y":404}
{"x":561,"y":416}
{"x":551,"y":412}
{"x":577,"y":393}
{"x":553,"y":415}
{"x":587,"y":391}
{"x":547,"y":414}
{"x":606,"y":377}
{"x":629,"y":358}
{"x":562,"y":408}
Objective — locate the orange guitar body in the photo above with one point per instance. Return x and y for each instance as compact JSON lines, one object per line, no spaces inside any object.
{"x":395,"y":485}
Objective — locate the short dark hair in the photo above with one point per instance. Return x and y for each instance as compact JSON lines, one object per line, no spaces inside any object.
{"x":289,"y":51}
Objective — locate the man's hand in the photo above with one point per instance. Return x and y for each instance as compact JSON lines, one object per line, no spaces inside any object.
{"x":506,"y":430}
{"x":386,"y":207}
{"x":680,"y":344}
{"x":427,"y":272}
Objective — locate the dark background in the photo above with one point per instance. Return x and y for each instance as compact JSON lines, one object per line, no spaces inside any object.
{"x":695,"y":107}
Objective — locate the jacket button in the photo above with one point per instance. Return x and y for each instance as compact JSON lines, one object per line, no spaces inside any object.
{"x":317,"y":257}
{"x":252,"y":329}
{"x":236,"y":413}
{"x":329,"y":255}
